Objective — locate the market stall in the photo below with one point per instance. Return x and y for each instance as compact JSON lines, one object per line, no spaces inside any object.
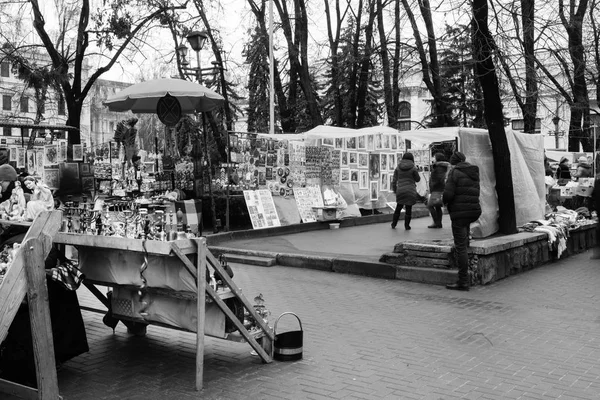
{"x":349,"y":170}
{"x":177,"y":284}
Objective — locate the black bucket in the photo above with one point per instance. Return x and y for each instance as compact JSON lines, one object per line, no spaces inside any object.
{"x":288,"y":345}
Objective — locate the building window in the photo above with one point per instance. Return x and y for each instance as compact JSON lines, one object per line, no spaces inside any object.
{"x":61,"y":104}
{"x":5,"y":69}
{"x":404,"y":110}
{"x":6,"y":100}
{"x":24,"y":104}
{"x":519,"y":125}
{"x":6,"y":131}
{"x":404,"y":126}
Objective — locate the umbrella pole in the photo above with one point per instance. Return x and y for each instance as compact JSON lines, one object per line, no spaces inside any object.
{"x":210,"y":193}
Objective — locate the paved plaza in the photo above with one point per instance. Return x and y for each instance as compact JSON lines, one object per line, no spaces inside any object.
{"x":531,"y":336}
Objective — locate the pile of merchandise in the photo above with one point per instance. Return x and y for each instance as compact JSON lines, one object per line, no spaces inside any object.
{"x":557,"y":225}
{"x":7,"y":256}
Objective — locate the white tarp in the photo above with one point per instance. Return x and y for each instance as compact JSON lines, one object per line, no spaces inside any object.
{"x":527,"y":167}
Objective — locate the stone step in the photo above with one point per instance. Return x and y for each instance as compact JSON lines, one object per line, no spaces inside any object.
{"x":250,"y":260}
{"x":416,"y":261}
{"x":434,"y":276}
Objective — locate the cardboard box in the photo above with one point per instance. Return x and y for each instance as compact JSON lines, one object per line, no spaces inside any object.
{"x":330,"y":214}
{"x":584,"y":191}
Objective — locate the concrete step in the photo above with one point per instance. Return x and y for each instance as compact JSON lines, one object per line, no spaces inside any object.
{"x":414,"y":261}
{"x":434,"y":276}
{"x":250,"y":260}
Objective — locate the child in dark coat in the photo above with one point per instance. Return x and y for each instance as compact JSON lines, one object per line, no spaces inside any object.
{"x":437,"y":181}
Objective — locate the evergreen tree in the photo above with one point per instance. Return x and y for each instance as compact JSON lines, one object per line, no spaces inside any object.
{"x":256,"y":54}
{"x":346,"y":64}
{"x":461,"y":90}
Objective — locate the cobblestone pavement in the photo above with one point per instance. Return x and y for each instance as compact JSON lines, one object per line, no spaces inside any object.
{"x":530,"y":336}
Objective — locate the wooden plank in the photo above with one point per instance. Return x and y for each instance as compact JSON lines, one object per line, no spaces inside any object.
{"x":34,"y":252}
{"x":14,"y":286}
{"x":17,"y":390}
{"x":154,"y":247}
{"x":239,"y":325}
{"x":238,"y":293}
{"x":12,"y":292}
{"x":201,"y":304}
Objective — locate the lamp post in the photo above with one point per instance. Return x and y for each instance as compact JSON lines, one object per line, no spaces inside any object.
{"x":196,"y":39}
{"x":555,"y":121}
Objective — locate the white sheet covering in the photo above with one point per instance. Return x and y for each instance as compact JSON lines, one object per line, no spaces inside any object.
{"x":179,"y":313}
{"x":123,"y":268}
{"x":527,"y":166}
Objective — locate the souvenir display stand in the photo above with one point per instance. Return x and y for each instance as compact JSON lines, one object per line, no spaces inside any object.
{"x":144,"y":303}
{"x":27,"y":277}
{"x":183,"y":261}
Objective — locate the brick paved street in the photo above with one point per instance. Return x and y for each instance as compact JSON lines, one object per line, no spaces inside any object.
{"x":531,"y":336}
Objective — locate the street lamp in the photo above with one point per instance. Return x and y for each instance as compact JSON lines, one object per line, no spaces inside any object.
{"x":555,"y":121}
{"x":196,"y":39}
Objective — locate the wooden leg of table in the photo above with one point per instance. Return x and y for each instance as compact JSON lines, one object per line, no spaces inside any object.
{"x":34,"y":251}
{"x":201,"y":304}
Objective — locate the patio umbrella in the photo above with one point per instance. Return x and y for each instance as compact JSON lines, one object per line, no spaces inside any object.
{"x":143,"y":97}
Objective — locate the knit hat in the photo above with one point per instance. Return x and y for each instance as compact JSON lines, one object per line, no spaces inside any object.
{"x":439,"y":157}
{"x":457,"y":157}
{"x":582,"y":160}
{"x":563,"y":159}
{"x":408,"y":156}
{"x":7,"y":173}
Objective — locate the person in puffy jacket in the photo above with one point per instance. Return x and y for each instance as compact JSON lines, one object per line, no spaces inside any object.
{"x":437,"y":181}
{"x":461,"y":196}
{"x":404,"y":184}
{"x":584,"y":169}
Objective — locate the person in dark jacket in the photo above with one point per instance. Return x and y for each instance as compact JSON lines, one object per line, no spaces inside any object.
{"x":596,"y":205}
{"x":461,"y":196}
{"x":404,"y":185}
{"x":437,"y":181}
{"x":563,"y":172}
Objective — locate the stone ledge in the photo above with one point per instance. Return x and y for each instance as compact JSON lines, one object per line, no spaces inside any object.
{"x":367,"y":268}
{"x":427,"y":275}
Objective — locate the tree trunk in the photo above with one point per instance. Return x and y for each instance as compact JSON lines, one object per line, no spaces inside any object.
{"x":363,"y":79}
{"x":531,"y":86}
{"x":353,"y":79}
{"x":486,"y":73}
{"x":385,"y":65}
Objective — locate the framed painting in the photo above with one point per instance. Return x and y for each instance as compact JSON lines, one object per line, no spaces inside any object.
{"x":354,"y":175}
{"x":384,"y":161}
{"x":362,"y":142}
{"x":363,"y":179}
{"x":77,"y":152}
{"x":374,"y":190}
{"x":345,"y":175}
{"x":363,"y":160}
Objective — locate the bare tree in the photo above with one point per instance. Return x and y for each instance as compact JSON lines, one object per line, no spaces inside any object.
{"x":483,"y":49}
{"x":334,"y":41}
{"x":526,"y":95}
{"x":297,"y":47}
{"x":429,"y":66}
{"x":68,"y":57}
